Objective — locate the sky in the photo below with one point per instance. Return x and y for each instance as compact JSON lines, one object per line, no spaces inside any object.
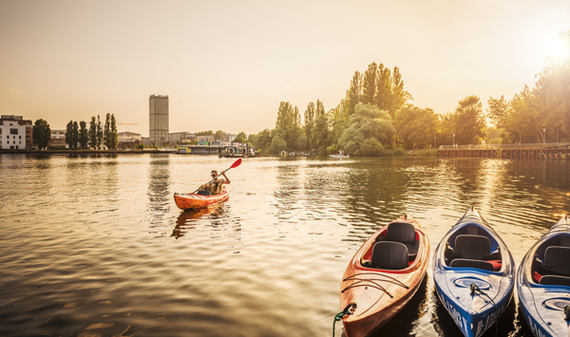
{"x":226,"y":65}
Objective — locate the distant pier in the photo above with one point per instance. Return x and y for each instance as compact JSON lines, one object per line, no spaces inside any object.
{"x":507,"y":151}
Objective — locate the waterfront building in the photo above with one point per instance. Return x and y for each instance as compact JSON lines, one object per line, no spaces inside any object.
{"x":12,"y":135}
{"x":57,"y":139}
{"x":158,"y":119}
{"x":128,"y":139}
{"x":22,"y":122}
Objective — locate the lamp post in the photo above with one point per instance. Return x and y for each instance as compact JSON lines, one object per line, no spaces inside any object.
{"x":544,"y":130}
{"x":454,"y":140}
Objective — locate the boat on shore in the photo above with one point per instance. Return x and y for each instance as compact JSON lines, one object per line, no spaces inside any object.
{"x":384,"y":275}
{"x":543,"y":282}
{"x":198,"y":200}
{"x":473,"y":272}
{"x":339,"y":155}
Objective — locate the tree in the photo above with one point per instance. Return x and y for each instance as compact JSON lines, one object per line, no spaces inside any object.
{"x":107,"y":137}
{"x":498,"y":109}
{"x":41,"y":134}
{"x":240,"y":138}
{"x":93,"y":133}
{"x":469,"y":122}
{"x":416,"y":127}
{"x":354,"y":92}
{"x":220,"y":136}
{"x":99,"y":133}
{"x":262,"y":141}
{"x":83,"y":135}
{"x":399,"y":96}
{"x":69,"y":135}
{"x":368,"y":124}
{"x":114,"y":141}
{"x":321,"y":134}
{"x":309,"y":124}
{"x":383,"y":96}
{"x":369,"y":84}
{"x":288,"y":120}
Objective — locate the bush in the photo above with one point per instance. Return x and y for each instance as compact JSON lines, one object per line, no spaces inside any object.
{"x":399,"y":152}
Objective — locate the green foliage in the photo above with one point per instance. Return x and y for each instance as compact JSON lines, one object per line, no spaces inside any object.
{"x":83,"y":135}
{"x":278,"y":144}
{"x":399,"y":152}
{"x":468,"y":121}
{"x":93,"y":133}
{"x":99,"y":138}
{"x":41,"y":134}
{"x":205,"y":133}
{"x":114,"y":142}
{"x":262,"y":141}
{"x":289,"y":120}
{"x":72,"y":135}
{"x":368,"y":123}
{"x":240,"y":138}
{"x":416,"y":127}
{"x":107,"y":136}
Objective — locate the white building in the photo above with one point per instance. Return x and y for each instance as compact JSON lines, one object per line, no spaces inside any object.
{"x":12,"y":135}
{"x":57,"y":139}
{"x":128,"y":137}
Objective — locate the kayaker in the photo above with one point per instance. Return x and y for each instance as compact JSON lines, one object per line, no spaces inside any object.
{"x":218,"y":184}
{"x":215,"y":173}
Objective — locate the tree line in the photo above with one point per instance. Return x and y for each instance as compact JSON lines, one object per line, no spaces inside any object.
{"x":376,"y":116}
{"x":78,"y":136}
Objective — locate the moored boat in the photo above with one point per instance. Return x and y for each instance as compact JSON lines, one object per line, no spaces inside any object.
{"x":196,"y":200}
{"x":384,"y":275}
{"x":473,"y":273}
{"x":543,"y":282}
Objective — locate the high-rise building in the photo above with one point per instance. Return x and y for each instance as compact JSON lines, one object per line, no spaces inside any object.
{"x":158,"y":122}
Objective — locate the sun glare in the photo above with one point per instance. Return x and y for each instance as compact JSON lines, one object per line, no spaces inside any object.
{"x":555,"y":49}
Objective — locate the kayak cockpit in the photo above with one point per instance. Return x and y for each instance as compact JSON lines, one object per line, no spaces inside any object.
{"x":551,"y":264}
{"x":395,"y":248}
{"x":472,"y":246}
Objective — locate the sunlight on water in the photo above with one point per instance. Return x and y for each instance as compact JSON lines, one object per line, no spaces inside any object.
{"x":95,"y":245}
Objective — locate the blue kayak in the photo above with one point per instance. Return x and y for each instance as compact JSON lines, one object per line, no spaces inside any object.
{"x":474,"y":274}
{"x":543,"y":282}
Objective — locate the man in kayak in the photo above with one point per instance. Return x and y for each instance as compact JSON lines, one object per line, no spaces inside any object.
{"x":218,"y":183}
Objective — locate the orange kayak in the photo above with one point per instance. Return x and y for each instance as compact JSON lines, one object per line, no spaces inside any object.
{"x":192,"y":201}
{"x":384,"y":275}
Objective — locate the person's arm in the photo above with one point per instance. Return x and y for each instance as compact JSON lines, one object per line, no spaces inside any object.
{"x":227,"y":179}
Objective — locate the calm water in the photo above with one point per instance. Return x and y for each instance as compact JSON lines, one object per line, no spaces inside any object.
{"x":95,"y":246}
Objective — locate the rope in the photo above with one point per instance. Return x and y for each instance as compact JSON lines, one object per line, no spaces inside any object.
{"x":475,"y":289}
{"x":348,"y":310}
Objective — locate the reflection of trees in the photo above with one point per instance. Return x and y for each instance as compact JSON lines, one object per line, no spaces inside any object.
{"x":159,"y":183}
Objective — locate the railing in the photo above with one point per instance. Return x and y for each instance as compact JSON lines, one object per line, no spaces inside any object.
{"x":504,"y":146}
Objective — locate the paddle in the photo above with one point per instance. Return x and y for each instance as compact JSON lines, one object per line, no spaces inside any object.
{"x":234,"y":165}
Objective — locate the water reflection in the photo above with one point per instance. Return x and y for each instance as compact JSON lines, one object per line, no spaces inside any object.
{"x":159,"y":194}
{"x":405,"y":323}
{"x":188,"y":219}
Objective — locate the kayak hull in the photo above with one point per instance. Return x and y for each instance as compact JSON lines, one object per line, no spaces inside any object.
{"x":380,"y":294}
{"x":195,"y":201}
{"x":543,"y":304}
{"x":474,"y":297}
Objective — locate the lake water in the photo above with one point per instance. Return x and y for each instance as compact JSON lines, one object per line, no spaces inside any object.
{"x":95,"y":245}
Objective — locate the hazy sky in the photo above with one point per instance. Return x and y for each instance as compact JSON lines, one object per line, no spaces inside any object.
{"x":226,"y":65}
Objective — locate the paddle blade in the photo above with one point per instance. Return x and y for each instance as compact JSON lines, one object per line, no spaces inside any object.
{"x":236,"y":164}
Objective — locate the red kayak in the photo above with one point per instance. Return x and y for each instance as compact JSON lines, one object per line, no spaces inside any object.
{"x":384,"y":275}
{"x":193,"y":200}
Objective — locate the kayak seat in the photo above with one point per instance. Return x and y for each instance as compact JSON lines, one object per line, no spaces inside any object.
{"x":468,"y":263}
{"x":555,"y":280}
{"x":404,"y":233}
{"x":389,"y":255}
{"x":204,"y":193}
{"x":557,"y":260}
{"x":473,"y":247}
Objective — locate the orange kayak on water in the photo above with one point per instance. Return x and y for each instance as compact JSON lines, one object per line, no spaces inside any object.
{"x":193,"y":201}
{"x":384,"y":275}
